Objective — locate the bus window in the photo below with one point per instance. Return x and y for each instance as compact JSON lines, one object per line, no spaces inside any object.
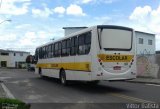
{"x":43,"y":53}
{"x":40,"y":53}
{"x":46,"y":52}
{"x":49,"y":51}
{"x":73,"y":45}
{"x":87,"y":42}
{"x":64,"y":46}
{"x":52,"y":54}
{"x":36,"y":54}
{"x":59,"y":49}
{"x":81,"y":46}
{"x":84,"y":43}
{"x":68,"y":47}
{"x":56,"y":50}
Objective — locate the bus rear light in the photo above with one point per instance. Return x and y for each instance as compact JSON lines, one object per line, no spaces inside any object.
{"x":117,"y":68}
{"x":132,"y":60}
{"x":99,"y":60}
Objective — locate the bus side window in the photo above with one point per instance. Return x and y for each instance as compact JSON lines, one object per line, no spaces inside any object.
{"x":59,"y":49}
{"x":68,"y":47}
{"x":40,"y":53}
{"x":81,"y":46}
{"x":52,"y":55}
{"x":36,"y":54}
{"x":46,"y":48}
{"x":49,"y":51}
{"x":56,"y":50}
{"x":73,"y":52}
{"x":76,"y":45}
{"x":64,"y":45}
{"x":43,"y":53}
{"x":84,"y":43}
{"x":87,"y":42}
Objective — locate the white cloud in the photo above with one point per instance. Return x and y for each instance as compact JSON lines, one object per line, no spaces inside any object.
{"x":103,"y":18}
{"x":140,"y":13}
{"x":42,"y":13}
{"x":31,"y":40}
{"x":8,"y":7}
{"x":75,"y":10}
{"x":59,"y":10}
{"x":8,"y":37}
{"x":23,"y":26}
{"x":94,"y":1}
{"x":108,"y":1}
{"x":86,"y":1}
{"x":149,"y":20}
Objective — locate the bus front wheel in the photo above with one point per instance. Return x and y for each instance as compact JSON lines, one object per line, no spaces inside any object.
{"x":63,"y":77}
{"x":40,"y":72}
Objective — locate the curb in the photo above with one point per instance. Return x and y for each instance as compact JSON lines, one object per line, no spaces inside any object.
{"x":147,"y":82}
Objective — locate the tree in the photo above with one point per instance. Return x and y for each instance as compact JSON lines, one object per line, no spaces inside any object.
{"x":29,"y":59}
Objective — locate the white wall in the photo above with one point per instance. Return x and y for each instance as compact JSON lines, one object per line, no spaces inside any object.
{"x":11,"y":59}
{"x":5,"y":58}
{"x":17,"y":58}
{"x":145,"y":48}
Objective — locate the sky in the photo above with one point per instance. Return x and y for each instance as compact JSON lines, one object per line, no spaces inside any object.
{"x":35,"y":22}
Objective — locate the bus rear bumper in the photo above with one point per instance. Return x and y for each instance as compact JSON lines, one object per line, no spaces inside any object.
{"x":104,"y":75}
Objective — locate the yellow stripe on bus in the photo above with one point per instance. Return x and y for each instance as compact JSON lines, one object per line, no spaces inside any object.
{"x":82,"y":66}
{"x":115,"y":58}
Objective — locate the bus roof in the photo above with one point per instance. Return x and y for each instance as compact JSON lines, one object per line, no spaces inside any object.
{"x":84,"y":30}
{"x":114,"y":27}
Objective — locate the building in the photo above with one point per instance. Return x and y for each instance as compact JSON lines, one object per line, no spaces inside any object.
{"x":145,"y":43}
{"x":13,"y":59}
{"x":69,"y":30}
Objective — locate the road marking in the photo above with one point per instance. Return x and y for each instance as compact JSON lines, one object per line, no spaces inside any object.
{"x":4,"y":78}
{"x":153,"y":85}
{"x":7,"y":92}
{"x":131,"y":98}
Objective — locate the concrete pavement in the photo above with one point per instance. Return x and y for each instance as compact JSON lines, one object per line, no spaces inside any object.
{"x":3,"y":93}
{"x":146,"y":80}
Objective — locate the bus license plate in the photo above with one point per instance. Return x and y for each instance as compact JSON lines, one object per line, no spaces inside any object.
{"x":117,"y":68}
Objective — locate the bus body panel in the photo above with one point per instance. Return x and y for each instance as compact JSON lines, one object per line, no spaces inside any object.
{"x":88,"y":67}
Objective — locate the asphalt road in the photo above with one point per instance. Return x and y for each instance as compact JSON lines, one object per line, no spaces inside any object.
{"x":43,"y":92}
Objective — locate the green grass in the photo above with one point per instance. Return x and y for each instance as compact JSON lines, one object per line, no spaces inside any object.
{"x":6,"y":102}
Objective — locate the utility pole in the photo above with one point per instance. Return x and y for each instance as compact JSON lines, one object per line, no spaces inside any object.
{"x":0,"y":4}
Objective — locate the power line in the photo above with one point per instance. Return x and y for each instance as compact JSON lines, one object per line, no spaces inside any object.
{"x":20,"y":48}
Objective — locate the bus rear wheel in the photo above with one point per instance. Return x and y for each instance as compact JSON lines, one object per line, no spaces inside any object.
{"x":63,"y":77}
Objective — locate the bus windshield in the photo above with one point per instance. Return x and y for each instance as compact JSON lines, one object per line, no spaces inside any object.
{"x":115,"y":39}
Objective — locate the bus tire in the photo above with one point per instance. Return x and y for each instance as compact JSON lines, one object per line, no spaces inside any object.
{"x":40,"y":72}
{"x":63,"y":77}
